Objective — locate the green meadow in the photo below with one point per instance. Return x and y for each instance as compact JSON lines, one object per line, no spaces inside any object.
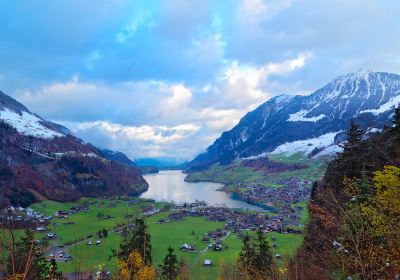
{"x":234,"y":174}
{"x":190,"y":230}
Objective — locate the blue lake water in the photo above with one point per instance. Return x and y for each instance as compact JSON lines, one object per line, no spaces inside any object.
{"x":171,"y":186}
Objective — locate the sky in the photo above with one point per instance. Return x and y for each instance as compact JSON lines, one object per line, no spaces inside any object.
{"x":166,"y":78}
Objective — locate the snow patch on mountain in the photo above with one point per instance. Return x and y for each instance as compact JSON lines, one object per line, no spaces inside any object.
{"x":300,"y":117}
{"x":262,"y":155}
{"x":390,"y":105}
{"x":329,"y":151}
{"x":28,"y":124}
{"x":307,"y":145}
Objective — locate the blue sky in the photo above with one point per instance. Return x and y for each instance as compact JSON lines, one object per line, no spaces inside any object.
{"x":165,"y":78}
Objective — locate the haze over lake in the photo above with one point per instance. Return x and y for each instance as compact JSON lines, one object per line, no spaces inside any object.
{"x":171,"y":186}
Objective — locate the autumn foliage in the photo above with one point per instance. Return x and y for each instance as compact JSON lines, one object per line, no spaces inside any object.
{"x":134,"y":268}
{"x":354,"y":228}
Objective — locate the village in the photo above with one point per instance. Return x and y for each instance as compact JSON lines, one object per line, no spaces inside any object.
{"x":281,"y":198}
{"x":235,"y":221}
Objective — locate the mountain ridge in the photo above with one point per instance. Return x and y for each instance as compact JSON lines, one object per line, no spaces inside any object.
{"x":367,"y":97}
{"x":39,"y":158}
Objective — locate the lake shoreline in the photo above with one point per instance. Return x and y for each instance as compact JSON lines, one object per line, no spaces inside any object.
{"x":172,"y":186}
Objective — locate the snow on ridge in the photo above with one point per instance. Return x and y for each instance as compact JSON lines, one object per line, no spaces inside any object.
{"x":331,"y":150}
{"x":390,"y":105}
{"x":255,"y":157}
{"x":325,"y":140}
{"x":299,"y":117}
{"x":27,"y":124}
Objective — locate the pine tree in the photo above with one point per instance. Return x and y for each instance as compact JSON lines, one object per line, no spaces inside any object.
{"x":351,"y":150}
{"x":246,"y":259}
{"x":170,"y":268}
{"x":263,"y":256}
{"x":354,"y":137}
{"x":137,"y":239}
{"x":255,"y":259}
{"x":396,"y":117}
{"x":395,"y":130}
{"x":314,"y":190}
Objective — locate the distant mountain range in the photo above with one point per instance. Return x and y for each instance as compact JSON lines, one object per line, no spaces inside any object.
{"x":314,"y":124}
{"x":41,"y":159}
{"x":159,"y":162}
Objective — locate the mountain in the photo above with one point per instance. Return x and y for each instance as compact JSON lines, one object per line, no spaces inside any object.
{"x":314,"y":123}
{"x":42,"y":160}
{"x":118,"y":157}
{"x":159,"y":162}
{"x":123,"y":159}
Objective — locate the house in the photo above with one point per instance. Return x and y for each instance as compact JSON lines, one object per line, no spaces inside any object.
{"x":217,"y":247}
{"x":207,"y":263}
{"x":188,"y":247}
{"x":41,"y":229}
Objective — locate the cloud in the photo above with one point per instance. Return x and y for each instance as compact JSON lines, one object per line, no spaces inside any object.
{"x":148,"y":65}
{"x":143,"y":118}
{"x":179,"y":98}
{"x":136,"y":141}
{"x":247,"y":85}
{"x":256,"y":10}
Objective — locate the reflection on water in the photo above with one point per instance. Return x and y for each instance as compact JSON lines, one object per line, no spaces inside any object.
{"x":170,"y":186}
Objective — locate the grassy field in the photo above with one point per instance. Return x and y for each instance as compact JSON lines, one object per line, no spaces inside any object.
{"x":233,"y":174}
{"x":190,"y":230}
{"x":86,"y":223}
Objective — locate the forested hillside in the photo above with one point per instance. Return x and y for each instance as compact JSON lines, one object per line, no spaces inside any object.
{"x":354,"y":225}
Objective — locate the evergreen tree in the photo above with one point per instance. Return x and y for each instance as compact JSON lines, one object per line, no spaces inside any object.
{"x":395,"y":130}
{"x":255,"y":259}
{"x":105,"y":233}
{"x":263,"y":256}
{"x":354,"y":138}
{"x":314,"y":190}
{"x":137,"y":239}
{"x":396,"y":118}
{"x":170,"y":268}
{"x":247,"y":256}
{"x":351,"y":151}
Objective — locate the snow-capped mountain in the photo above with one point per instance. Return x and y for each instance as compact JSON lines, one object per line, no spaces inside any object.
{"x":313,"y":123}
{"x":26,"y":122}
{"x":40,"y":159}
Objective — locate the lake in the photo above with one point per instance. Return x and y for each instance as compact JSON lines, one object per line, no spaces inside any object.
{"x":171,"y":186}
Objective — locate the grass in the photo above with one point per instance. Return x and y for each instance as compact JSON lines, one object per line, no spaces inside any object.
{"x":190,"y":230}
{"x":234,"y":174}
{"x":86,"y":223}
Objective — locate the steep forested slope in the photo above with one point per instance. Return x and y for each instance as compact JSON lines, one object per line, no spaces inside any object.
{"x":355,"y":212}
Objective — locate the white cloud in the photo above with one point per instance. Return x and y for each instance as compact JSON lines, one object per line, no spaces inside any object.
{"x":256,"y":11}
{"x":179,"y":98}
{"x":137,"y":141}
{"x":245,"y":85}
{"x":150,"y":117}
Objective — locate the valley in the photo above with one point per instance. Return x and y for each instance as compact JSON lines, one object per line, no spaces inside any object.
{"x":271,"y":189}
{"x":81,"y":203}
{"x":73,"y":231}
